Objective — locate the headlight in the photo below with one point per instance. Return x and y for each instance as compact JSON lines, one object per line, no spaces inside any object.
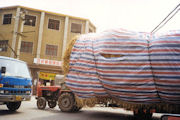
{"x":1,"y":85}
{"x":6,"y":92}
{"x":2,"y":91}
{"x":28,"y":92}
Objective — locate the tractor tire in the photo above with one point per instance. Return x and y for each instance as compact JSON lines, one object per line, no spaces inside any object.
{"x":76,"y":109}
{"x":41,"y":103}
{"x":13,"y":106}
{"x":66,"y":102}
{"x":143,"y":116}
{"x":52,"y":104}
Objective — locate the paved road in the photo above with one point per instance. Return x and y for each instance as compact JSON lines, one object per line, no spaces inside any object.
{"x":29,"y":111}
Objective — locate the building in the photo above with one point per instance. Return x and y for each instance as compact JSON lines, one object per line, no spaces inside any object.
{"x":38,"y":37}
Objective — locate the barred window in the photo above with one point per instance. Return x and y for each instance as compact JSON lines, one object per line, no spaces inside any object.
{"x":3,"y":45}
{"x":26,"y":47}
{"x":7,"y":18}
{"x":53,"y":24}
{"x":30,"y":20}
{"x":75,"y":28}
{"x":51,"y":50}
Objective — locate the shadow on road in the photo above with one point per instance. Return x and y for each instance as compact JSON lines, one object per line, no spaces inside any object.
{"x":7,"y":112}
{"x":87,"y":115}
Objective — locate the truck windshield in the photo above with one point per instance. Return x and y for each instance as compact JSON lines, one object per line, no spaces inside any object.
{"x":15,"y":68}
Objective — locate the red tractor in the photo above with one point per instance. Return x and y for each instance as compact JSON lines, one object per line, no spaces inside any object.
{"x":58,"y":93}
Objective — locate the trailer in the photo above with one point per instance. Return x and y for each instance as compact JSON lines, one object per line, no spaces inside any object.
{"x":132,"y":70}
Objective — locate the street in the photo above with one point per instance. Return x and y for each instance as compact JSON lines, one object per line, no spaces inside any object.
{"x":29,"y":111}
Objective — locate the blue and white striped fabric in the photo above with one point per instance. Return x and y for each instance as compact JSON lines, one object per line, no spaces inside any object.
{"x":139,"y":71}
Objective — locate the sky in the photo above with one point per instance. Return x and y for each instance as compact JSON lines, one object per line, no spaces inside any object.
{"x":135,"y":15}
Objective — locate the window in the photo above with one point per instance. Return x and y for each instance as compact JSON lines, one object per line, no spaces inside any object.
{"x":53,"y":24}
{"x":26,"y":47}
{"x":75,"y":28}
{"x":7,"y":18}
{"x":51,"y":50}
{"x":3,"y":45}
{"x":90,"y":31}
{"x":30,"y":20}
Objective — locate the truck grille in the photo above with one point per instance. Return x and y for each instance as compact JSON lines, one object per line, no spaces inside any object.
{"x":11,"y":92}
{"x":16,"y":86}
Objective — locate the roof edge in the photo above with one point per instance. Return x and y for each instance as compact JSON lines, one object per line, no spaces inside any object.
{"x":49,"y":12}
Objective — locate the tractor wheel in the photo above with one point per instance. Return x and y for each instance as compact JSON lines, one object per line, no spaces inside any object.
{"x":76,"y":109}
{"x":52,"y":104}
{"x":66,"y":102}
{"x":13,"y":106}
{"x":141,"y":115}
{"x":41,"y":103}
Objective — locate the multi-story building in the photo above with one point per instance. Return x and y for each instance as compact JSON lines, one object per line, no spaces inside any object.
{"x":39,"y":37}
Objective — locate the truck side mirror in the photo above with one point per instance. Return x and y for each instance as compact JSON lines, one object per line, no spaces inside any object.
{"x":3,"y":70}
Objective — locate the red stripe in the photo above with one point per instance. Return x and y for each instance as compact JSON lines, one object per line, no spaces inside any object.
{"x":174,"y":35}
{"x":83,"y":61}
{"x":116,"y":87}
{"x":82,"y":74}
{"x":82,"y":50}
{"x":168,"y":81}
{"x":165,"y":64}
{"x":168,"y":89}
{"x":152,"y":43}
{"x":132,"y":94}
{"x":83,"y":82}
{"x":165,"y":50}
{"x":170,"y":97}
{"x":124,"y":63}
{"x":121,"y":51}
{"x":125,"y":72}
{"x":101,"y":43}
{"x":87,"y":89}
{"x":126,"y":80}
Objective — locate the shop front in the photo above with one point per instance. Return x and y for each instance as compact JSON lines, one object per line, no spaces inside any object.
{"x":43,"y":72}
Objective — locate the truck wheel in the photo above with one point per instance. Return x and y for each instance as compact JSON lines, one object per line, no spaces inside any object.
{"x":52,"y":104}
{"x":66,"y":102}
{"x":13,"y":106}
{"x":41,"y":103}
{"x":141,"y":115}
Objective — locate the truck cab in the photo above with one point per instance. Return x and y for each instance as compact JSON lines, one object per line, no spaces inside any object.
{"x":15,"y":82}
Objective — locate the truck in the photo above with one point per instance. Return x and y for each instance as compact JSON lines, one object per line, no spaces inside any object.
{"x":15,"y":82}
{"x":136,"y":71}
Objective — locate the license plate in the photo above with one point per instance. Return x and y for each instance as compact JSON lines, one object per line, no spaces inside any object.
{"x":18,"y":98}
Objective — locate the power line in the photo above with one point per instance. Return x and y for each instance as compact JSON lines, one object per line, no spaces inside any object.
{"x":165,"y":20}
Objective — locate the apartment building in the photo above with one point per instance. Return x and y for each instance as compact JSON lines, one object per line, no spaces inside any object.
{"x":39,"y":38}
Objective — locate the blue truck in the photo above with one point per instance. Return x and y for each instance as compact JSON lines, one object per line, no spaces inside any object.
{"x":15,"y":82}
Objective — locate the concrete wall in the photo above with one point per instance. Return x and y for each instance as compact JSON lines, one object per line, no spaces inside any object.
{"x":6,"y":31}
{"x":31,"y":33}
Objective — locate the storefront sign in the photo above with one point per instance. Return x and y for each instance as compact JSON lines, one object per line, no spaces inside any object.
{"x":47,"y":62}
{"x":47,"y":76}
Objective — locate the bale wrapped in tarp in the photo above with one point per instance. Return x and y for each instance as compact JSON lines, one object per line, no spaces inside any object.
{"x":165,"y":62}
{"x":132,"y":68}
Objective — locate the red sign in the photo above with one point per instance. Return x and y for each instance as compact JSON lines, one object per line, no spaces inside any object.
{"x":47,"y":62}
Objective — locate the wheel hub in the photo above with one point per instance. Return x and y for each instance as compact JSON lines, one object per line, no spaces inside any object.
{"x":66,"y":102}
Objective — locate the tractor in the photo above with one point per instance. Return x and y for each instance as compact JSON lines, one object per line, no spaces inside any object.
{"x":57,"y":93}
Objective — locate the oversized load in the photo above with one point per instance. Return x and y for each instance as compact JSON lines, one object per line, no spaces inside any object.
{"x":133,"y":69}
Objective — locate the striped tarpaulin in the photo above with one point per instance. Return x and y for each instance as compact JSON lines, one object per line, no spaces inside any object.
{"x":165,"y":61}
{"x":130,"y":66}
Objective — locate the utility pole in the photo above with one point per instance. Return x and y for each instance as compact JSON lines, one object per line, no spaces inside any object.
{"x":22,"y":16}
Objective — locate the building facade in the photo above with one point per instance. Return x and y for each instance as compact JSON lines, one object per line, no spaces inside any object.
{"x":39,"y":38}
